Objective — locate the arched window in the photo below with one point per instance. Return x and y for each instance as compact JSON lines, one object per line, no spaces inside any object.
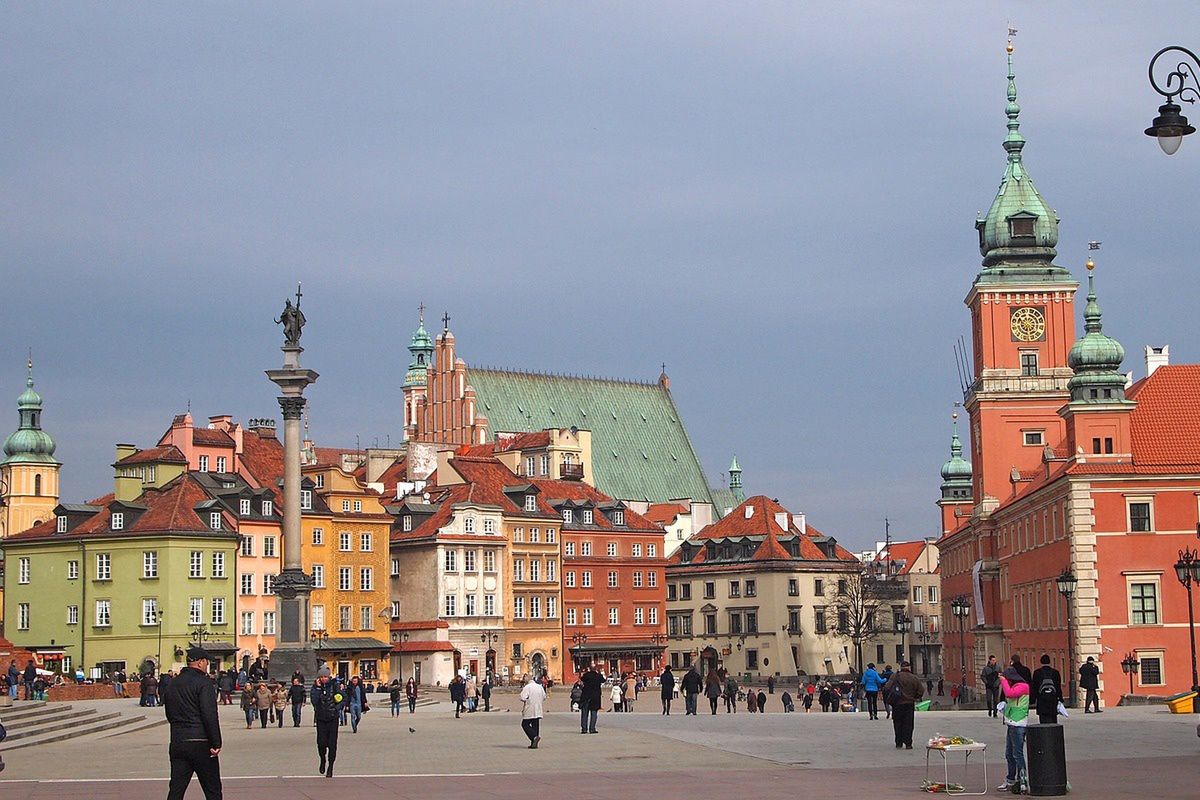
{"x":37,"y":485}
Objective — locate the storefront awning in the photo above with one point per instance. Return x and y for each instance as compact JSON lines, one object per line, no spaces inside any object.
{"x":351,"y":645}
{"x":217,"y":648}
{"x":627,"y":648}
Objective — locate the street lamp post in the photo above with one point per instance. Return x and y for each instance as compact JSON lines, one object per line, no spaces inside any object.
{"x":659,"y":640}
{"x":902,"y":625}
{"x":158,"y":618}
{"x":961,"y":608}
{"x":1066,"y":582}
{"x":1129,"y":665}
{"x":1169,"y":127}
{"x":1187,"y":570}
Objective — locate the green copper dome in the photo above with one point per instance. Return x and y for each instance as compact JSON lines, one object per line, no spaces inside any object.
{"x":421,"y":348}
{"x":29,"y":443}
{"x":1095,"y":358}
{"x":1020,"y":230}
{"x":956,"y":473}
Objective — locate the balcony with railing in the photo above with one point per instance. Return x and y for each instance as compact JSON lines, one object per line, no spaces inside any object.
{"x":570,"y":471}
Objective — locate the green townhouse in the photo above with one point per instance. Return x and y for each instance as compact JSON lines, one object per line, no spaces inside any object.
{"x":129,"y":579}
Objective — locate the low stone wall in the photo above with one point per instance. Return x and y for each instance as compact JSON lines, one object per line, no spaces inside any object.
{"x":89,"y":691}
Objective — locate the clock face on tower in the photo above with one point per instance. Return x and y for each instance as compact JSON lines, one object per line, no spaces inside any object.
{"x":1028,"y":324}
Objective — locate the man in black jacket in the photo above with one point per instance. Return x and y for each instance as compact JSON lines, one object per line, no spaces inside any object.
{"x":191,"y":701}
{"x":296,"y":696}
{"x":1047,"y":692}
{"x":326,"y":702}
{"x":589,"y":702}
{"x":690,"y":685}
{"x":1089,"y":679}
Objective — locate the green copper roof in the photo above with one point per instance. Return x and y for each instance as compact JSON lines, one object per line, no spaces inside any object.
{"x":640,"y":449}
{"x":421,"y":348}
{"x":29,"y":443}
{"x":1018,"y":234}
{"x":957,"y":469}
{"x":1095,"y":358}
{"x":735,"y":482}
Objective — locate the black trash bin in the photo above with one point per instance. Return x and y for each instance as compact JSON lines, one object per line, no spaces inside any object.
{"x":1046,"y":755}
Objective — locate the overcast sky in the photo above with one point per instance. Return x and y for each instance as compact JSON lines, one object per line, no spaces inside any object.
{"x":777,"y":200}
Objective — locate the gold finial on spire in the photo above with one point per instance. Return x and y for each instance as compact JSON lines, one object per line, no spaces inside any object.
{"x":1091,"y":265}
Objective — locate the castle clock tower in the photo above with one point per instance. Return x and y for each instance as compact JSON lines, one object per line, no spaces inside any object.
{"x":1023,"y":326}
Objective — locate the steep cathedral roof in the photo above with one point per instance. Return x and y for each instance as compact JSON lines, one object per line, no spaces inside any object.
{"x":640,"y":448}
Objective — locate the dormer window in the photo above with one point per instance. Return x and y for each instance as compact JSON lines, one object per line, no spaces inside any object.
{"x":531,"y":502}
{"x":588,"y":517}
{"x":118,"y":521}
{"x":214,"y":520}
{"x":268,"y":508}
{"x":61,"y":526}
{"x":148,"y":476}
{"x":406,"y":522}
{"x":1021,"y":227}
{"x":306,"y":500}
{"x":469,"y":525}
{"x":568,"y":515}
{"x":618,"y":517}
{"x":244,"y":507}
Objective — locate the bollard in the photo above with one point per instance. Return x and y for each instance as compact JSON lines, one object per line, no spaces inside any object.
{"x":1046,"y":756}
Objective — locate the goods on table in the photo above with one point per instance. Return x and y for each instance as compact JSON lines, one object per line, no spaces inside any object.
{"x":940,"y":742}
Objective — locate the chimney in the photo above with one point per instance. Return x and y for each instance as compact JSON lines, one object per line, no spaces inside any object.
{"x":1157,"y":357}
{"x":125,"y":451}
{"x":800,"y":521}
{"x":781,"y":519}
{"x":221,"y":422}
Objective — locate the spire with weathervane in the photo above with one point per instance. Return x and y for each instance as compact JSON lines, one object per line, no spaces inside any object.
{"x":29,"y":443}
{"x":1095,"y":358}
{"x":956,"y":473}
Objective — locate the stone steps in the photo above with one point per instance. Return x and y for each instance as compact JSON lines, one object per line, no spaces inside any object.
{"x":30,"y":725}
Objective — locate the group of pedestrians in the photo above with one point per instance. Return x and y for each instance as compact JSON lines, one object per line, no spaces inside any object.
{"x":466,"y":692}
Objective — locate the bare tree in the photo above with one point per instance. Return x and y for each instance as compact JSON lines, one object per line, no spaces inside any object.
{"x":861,"y":604}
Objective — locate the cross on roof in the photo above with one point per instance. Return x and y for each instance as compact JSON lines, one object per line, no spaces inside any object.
{"x":421,"y":311}
{"x":298,"y":295}
{"x":446,"y":321}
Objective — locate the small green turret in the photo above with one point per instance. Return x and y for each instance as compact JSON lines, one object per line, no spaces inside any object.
{"x":956,"y":473}
{"x":1095,"y":358}
{"x":29,"y":444}
{"x":421,"y":348}
{"x":735,"y":481}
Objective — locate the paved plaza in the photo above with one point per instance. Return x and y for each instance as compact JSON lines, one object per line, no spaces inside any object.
{"x":1135,"y":752}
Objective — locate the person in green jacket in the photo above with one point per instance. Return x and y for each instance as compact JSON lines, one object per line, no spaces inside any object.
{"x":1015,"y":707}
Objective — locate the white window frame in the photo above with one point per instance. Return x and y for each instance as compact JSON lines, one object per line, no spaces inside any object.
{"x":589,"y":516}
{"x":72,"y":570}
{"x":23,"y":616}
{"x":221,"y":464}
{"x":244,"y":507}
{"x":587,"y":616}
{"x":395,"y":567}
{"x":345,"y":579}
{"x":117,"y":522}
{"x":218,"y":564}
{"x":23,"y":570}
{"x":366,"y":542}
{"x":217,"y":610}
{"x":1152,"y":579}
{"x":531,"y":502}
{"x":306,"y":500}
{"x":358,"y":510}
{"x":214,"y":520}
{"x":1129,"y":502}
{"x":203,"y":463}
{"x":196,"y":564}
{"x":195,"y":611}
{"x":103,"y":614}
{"x":614,"y":615}
{"x":104,"y":566}
{"x":1162,"y":666}
{"x":270,"y":547}
{"x":568,"y":516}
{"x":268,"y":625}
{"x":318,"y":536}
{"x":318,"y":576}
{"x":618,"y":517}
{"x":60,"y":525}
{"x":246,"y":583}
{"x":611,"y":550}
{"x":72,"y":615}
{"x":366,"y":579}
{"x":569,"y":549}
{"x":345,"y":542}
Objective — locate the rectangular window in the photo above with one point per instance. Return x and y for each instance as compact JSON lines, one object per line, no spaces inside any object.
{"x":468,"y":560}
{"x":489,"y":560}
{"x":358,"y":506}
{"x":406,"y":523}
{"x":218,"y":565}
{"x":735,"y":622}
{"x":751,"y":622}
{"x":552,"y":607}
{"x":568,"y":515}
{"x":366,"y":618}
{"x":1029,"y":363}
{"x":366,"y":579}
{"x":544,"y":464}
{"x":585,"y":548}
{"x":654,"y":615}
{"x":918,"y":594}
{"x":247,"y":545}
{"x":195,"y":611}
{"x":451,"y":605}
{"x":1034,"y":438}
{"x":23,"y":616}
{"x":531,"y":502}
{"x":395,"y":609}
{"x":221,"y":463}
{"x":214,"y":520}
{"x":535,"y":569}
{"x":751,"y":588}
{"x":103,"y":566}
{"x":710,"y":590}
{"x":318,"y":535}
{"x":571,"y":616}
{"x":587,"y":616}
{"x":72,"y":570}
{"x":637,"y":550}
{"x":819,"y":621}
{"x":218,"y":611}
{"x":751,"y":659}
{"x":345,"y":622}
{"x":672,"y":592}
{"x":118,"y":521}
{"x":344,"y":579}
{"x":612,"y":580}
{"x":933,"y":594}
{"x":569,"y":579}
{"x":451,"y":561}
{"x":103,"y":613}
{"x":1143,"y":603}
{"x":685,"y":591}
{"x":246,"y":583}
{"x":196,"y":564}
{"x":470,"y":605}
{"x":204,"y":463}
{"x":534,"y":535}
{"x":614,"y":615}
{"x":735,"y":588}
{"x":317,"y":618}
{"x":589,"y":516}
{"x":72,"y":615}
{"x":345,"y":506}
{"x":305,"y":500}
{"x":1150,"y":667}
{"x":244,"y":507}
{"x":23,"y":570}
{"x":489,"y":605}
{"x":651,"y":551}
{"x":269,"y":543}
{"x":550,"y":568}
{"x":793,"y":587}
{"x":518,"y":607}
{"x":247,"y":626}
{"x":366,"y":542}
{"x":518,"y":534}
{"x":639,"y":616}
{"x":819,"y":587}
{"x":60,"y":525}
{"x":1139,"y":516}
{"x":637,"y":580}
{"x":618,"y":517}
{"x":268,"y":623}
{"x":268,"y":584}
{"x":585,"y":579}
{"x":535,"y":607}
{"x":612,"y":549}
{"x":489,"y":525}
{"x":469,"y":525}
{"x":794,"y":620}
{"x":344,"y":541}
{"x":395,"y":567}
{"x":530,"y":466}
{"x":319,"y":481}
{"x":569,"y":549}
{"x":518,"y":570}
{"x":318,"y":576}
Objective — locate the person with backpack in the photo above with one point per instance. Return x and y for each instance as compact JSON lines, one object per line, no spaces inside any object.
{"x":990,"y":678}
{"x":1015,"y":707}
{"x":902,"y":692}
{"x":731,"y":691}
{"x":1047,"y":682}
{"x":886,"y":675}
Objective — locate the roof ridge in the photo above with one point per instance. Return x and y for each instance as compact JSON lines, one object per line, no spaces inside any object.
{"x":572,"y":376}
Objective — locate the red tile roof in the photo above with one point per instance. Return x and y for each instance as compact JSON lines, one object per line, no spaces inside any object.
{"x":262,"y":457}
{"x":165,"y":453}
{"x":762,"y":522}
{"x":418,"y":625}
{"x":1166,"y":422}
{"x":422,"y":647}
{"x":522,"y":441}
{"x":211,"y":437}
{"x":332,"y":456}
{"x":665,"y":513}
{"x":906,"y":552}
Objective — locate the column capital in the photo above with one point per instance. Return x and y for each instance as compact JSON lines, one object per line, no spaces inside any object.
{"x":293,"y":407}
{"x":292,"y":582}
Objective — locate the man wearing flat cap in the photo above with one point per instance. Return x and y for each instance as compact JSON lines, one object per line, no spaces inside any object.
{"x":191,"y":702}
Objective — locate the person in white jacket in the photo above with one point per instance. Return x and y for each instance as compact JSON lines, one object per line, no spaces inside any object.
{"x":533,"y":700}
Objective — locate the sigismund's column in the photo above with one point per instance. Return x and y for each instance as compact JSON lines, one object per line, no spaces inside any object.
{"x":293,"y":651}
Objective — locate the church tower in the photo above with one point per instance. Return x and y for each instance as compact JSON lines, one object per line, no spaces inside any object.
{"x":1022,"y":320}
{"x":955,"y":502}
{"x":415,"y":380}
{"x":735,"y":482}
{"x":28,"y":473}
